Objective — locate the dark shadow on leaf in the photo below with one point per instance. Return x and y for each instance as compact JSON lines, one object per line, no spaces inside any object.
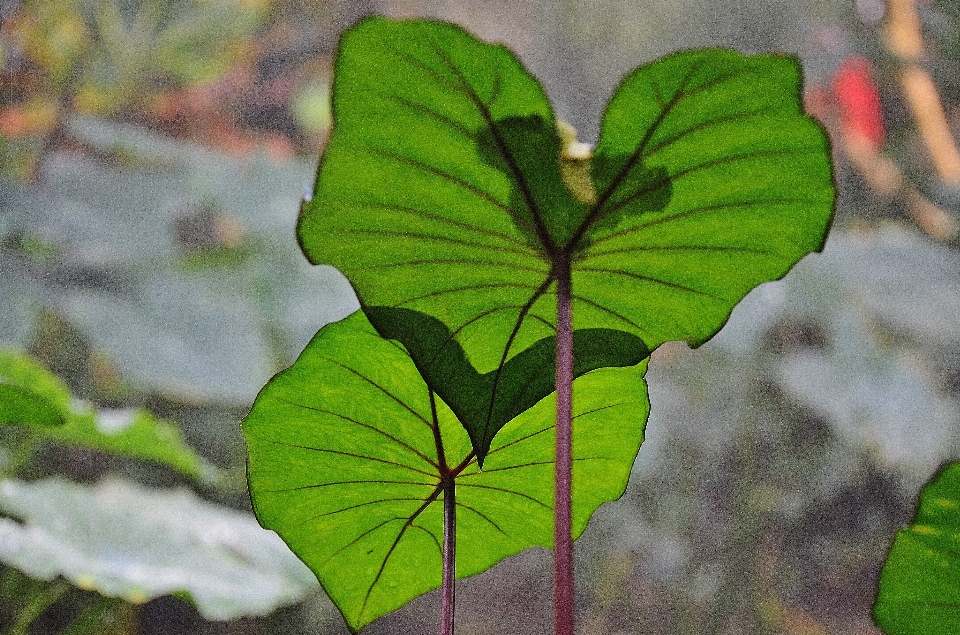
{"x":552,"y":202}
{"x":485,"y":403}
{"x":634,"y":189}
{"x":527,"y":151}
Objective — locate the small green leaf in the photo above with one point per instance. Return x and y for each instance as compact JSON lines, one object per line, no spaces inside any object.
{"x":125,"y":540}
{"x":919,"y":591}
{"x":135,"y":433}
{"x":19,"y":405}
{"x":441,"y":190}
{"x":348,"y":446}
{"x":31,"y":394}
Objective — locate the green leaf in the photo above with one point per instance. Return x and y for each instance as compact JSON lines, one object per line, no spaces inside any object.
{"x":134,"y":433}
{"x":919,"y":591}
{"x":125,"y":540}
{"x":348,"y":446}
{"x":31,"y":394}
{"x":19,"y":405}
{"x":441,"y":190}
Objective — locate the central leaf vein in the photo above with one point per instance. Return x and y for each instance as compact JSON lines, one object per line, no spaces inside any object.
{"x":393,"y":547}
{"x":506,"y":349}
{"x":635,"y":157}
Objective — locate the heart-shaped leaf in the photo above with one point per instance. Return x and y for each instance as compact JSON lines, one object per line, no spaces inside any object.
{"x":919,"y":591}
{"x":441,"y":190}
{"x":348,"y":448}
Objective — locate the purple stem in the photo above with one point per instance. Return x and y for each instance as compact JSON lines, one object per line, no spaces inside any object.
{"x":449,"y":555}
{"x":562,"y":532}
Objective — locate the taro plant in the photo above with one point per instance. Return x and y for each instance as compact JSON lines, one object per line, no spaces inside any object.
{"x":499,"y":263}
{"x":361,"y":468}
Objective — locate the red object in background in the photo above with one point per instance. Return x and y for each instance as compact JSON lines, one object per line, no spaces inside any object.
{"x":858,"y":101}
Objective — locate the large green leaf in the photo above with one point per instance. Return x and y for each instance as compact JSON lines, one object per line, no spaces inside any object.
{"x":348,"y":446}
{"x":124,"y":540}
{"x":441,"y":190}
{"x":31,"y":394}
{"x":919,"y":591}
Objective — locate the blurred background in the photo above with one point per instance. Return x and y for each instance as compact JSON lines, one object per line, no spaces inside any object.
{"x":152,"y":158}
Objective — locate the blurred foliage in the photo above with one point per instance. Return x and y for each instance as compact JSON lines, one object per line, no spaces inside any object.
{"x":151,"y":61}
{"x":101,"y":56}
{"x":136,"y":543}
{"x":161,"y":275}
{"x":920,"y":582}
{"x":120,"y":539}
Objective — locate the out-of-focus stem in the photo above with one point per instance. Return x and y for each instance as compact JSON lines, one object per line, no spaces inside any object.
{"x":562,"y":525}
{"x":921,"y":95}
{"x":37,"y":606}
{"x":904,"y":38}
{"x":903,"y":33}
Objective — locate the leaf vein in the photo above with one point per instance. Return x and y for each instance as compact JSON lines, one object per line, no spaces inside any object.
{"x":396,"y":440}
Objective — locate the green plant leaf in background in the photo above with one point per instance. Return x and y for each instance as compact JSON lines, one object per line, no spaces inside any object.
{"x":29,"y":393}
{"x":23,"y":406}
{"x":135,"y":433}
{"x":126,"y":540}
{"x":27,"y":389}
{"x":348,"y":449}
{"x":441,"y":191}
{"x":919,"y":590}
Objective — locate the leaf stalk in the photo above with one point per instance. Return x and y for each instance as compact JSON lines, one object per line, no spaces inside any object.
{"x":562,"y":523}
{"x":449,"y":574}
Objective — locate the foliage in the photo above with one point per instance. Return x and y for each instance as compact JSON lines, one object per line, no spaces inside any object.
{"x":31,"y":395}
{"x":440,"y":192}
{"x":125,"y":540}
{"x":448,"y":198}
{"x":851,"y":402}
{"x":108,"y":57}
{"x":170,"y":292}
{"x":350,"y":449}
{"x":118,"y":538}
{"x":919,"y":590}
{"x":111,"y":54}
